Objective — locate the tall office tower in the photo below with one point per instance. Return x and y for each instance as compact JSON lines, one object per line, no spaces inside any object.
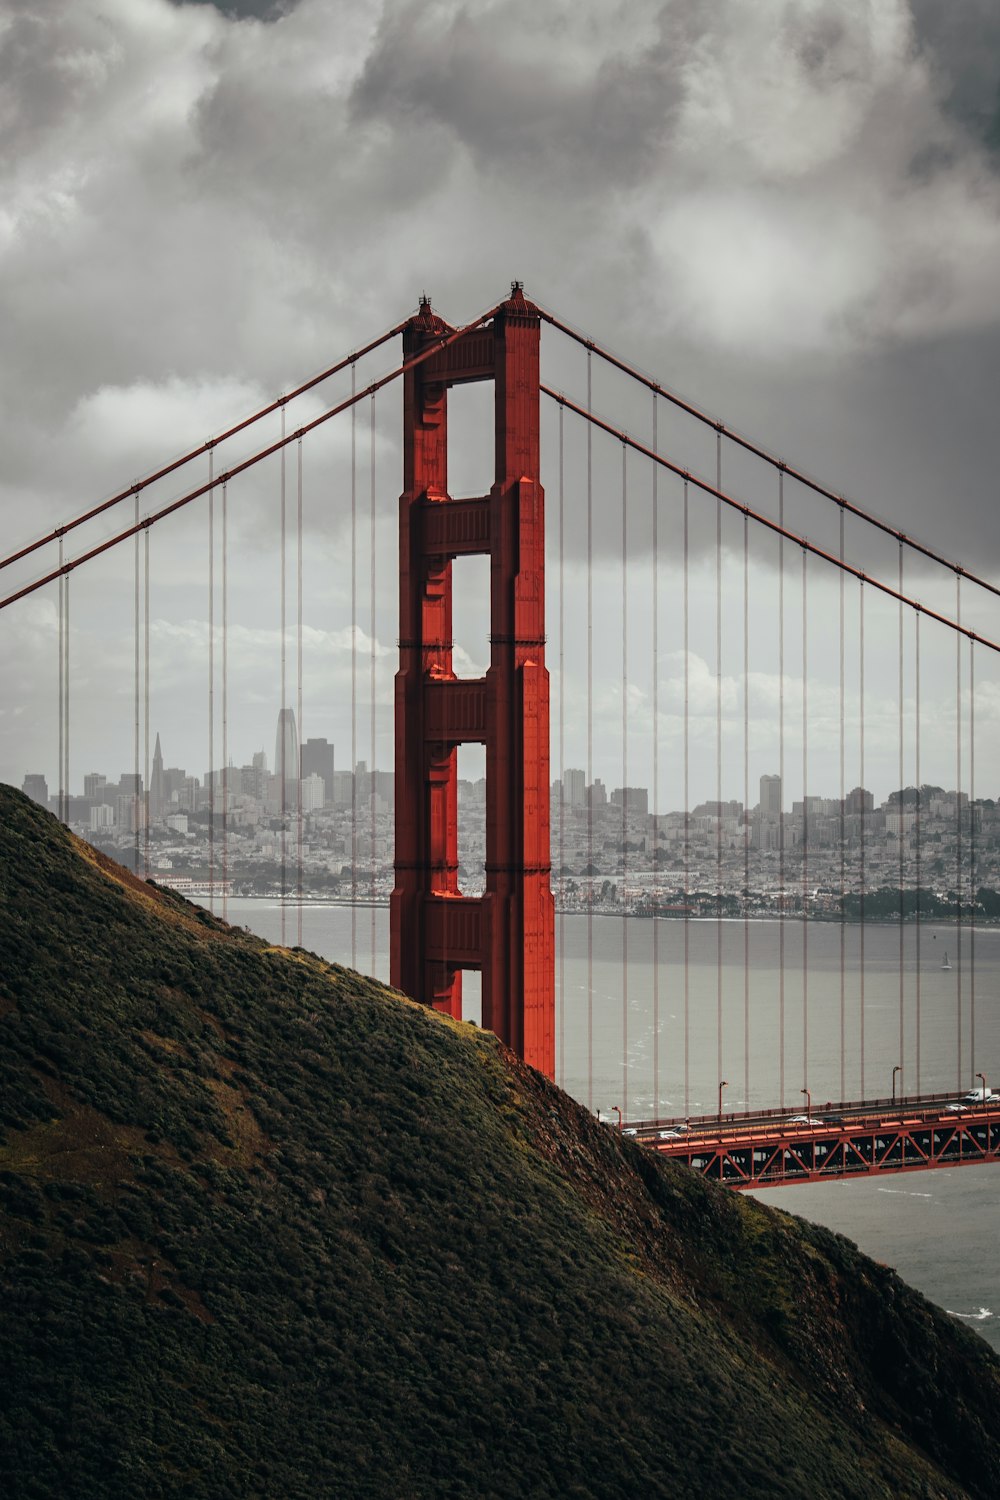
{"x":94,"y":784}
{"x":36,"y":787}
{"x":157,"y":784}
{"x":286,"y":760}
{"x":574,"y":787}
{"x":317,"y":760}
{"x":770,"y":797}
{"x":859,"y":801}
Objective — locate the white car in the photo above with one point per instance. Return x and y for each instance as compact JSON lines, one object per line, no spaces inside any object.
{"x":671,"y":1135}
{"x":803,"y":1120}
{"x":630,"y":1130}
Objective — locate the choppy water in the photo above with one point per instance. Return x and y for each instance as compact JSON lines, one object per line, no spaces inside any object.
{"x":940,"y":1229}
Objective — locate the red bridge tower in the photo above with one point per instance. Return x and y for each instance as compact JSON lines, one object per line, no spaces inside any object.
{"x":508,"y":933}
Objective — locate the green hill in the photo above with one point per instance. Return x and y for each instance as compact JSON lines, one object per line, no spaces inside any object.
{"x":268,"y":1229}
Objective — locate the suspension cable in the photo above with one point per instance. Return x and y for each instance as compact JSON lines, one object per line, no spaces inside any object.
{"x":372,"y":666}
{"x":206,"y":447}
{"x":283,"y":734}
{"x":562,"y":762}
{"x":656,"y":771}
{"x":762,"y":520}
{"x":62,"y":697}
{"x":354,"y":679}
{"x":863,"y":813}
{"x":436,"y":346}
{"x":298,"y":685}
{"x":902,"y":837}
{"x":972,"y":860}
{"x":768,"y":458}
{"x":843,"y":838}
{"x":718,"y":755}
{"x":918,"y":830}
{"x":625,"y":786}
{"x":590,"y":752}
{"x":805,"y":823}
{"x":746,"y":813}
{"x":211,"y":683}
{"x":687,"y":809}
{"x":145,"y":681}
{"x":66,"y":639}
{"x":225,"y":702}
{"x":958,"y":834}
{"x":781,"y":791}
{"x":135,"y":727}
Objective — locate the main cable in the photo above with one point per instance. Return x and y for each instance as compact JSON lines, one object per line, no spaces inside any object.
{"x":781,"y":792}
{"x":764,"y":456}
{"x":745,"y":510}
{"x":718,"y":754}
{"x":436,"y":346}
{"x":206,"y":447}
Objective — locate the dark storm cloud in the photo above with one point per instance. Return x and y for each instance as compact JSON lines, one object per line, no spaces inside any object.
{"x":258,"y":10}
{"x":962,"y":42}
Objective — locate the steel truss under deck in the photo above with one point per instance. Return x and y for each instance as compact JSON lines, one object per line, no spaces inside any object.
{"x":776,"y":1152}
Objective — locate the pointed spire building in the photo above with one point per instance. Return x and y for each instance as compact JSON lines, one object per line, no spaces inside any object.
{"x":157,"y":791}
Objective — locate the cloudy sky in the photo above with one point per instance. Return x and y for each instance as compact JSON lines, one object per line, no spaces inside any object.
{"x":788,"y":211}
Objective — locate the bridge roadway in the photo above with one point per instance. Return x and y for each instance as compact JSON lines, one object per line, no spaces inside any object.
{"x":860,"y":1138}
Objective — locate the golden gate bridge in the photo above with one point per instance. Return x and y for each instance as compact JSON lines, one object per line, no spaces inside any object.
{"x":692,"y":541}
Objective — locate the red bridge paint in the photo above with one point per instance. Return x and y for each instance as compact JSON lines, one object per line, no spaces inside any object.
{"x":435,"y":932}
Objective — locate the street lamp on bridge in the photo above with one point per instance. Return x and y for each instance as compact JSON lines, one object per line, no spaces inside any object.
{"x":897,"y":1069}
{"x":723,"y":1084}
{"x":809,"y":1103}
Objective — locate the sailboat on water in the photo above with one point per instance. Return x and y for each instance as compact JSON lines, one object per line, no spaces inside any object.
{"x":946,"y":962}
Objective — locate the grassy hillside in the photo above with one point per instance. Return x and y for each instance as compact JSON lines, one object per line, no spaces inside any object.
{"x":268,"y":1229}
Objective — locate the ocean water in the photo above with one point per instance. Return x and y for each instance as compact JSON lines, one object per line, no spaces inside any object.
{"x":651,"y":1017}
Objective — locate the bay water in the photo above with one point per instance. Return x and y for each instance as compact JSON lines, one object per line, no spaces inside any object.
{"x":653,"y":1015}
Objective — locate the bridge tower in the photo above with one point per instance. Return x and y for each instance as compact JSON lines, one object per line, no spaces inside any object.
{"x":435,"y":931}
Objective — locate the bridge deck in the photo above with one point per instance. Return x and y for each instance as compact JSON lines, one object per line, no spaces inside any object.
{"x":861,"y":1139}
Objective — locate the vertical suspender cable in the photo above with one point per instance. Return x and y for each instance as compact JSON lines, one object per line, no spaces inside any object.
{"x":843,"y":831}
{"x":135,"y":727}
{"x":781,"y":792}
{"x":917,"y":832}
{"x":65,"y":776}
{"x":746,"y":812}
{"x":372,"y":668}
{"x":283,"y":735}
{"x":862,"y":815}
{"x":718,"y":756}
{"x":687,"y":811}
{"x":562,"y":761}
{"x":145,"y":680}
{"x":902,"y":838}
{"x":211,"y":682}
{"x":656,"y":777}
{"x":225,"y":702}
{"x":298,"y":683}
{"x":590,"y":746}
{"x":354,"y":675}
{"x":805,"y":823}
{"x":62,"y":697}
{"x":625,"y":787}
{"x":972,"y":859}
{"x":958,"y":833}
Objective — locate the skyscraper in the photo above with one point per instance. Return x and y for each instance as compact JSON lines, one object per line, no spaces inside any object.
{"x":770,"y":797}
{"x":317,"y":760}
{"x":286,"y":760}
{"x":157,"y":786}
